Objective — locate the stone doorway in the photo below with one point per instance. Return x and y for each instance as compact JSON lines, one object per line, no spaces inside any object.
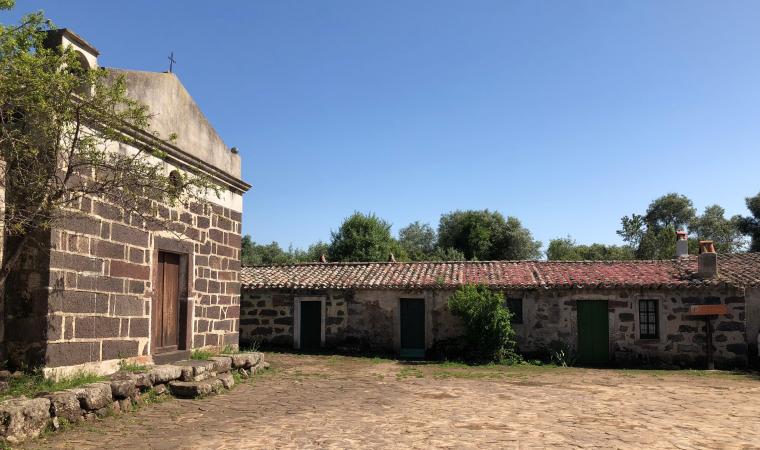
{"x":171,"y":310}
{"x":166,"y":304}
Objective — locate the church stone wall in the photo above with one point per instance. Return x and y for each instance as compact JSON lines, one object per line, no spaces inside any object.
{"x":102,"y":283}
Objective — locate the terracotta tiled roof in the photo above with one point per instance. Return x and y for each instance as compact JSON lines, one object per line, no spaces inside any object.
{"x":733,"y":270}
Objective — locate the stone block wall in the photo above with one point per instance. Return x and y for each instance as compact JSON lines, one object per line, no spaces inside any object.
{"x":552,"y":315}
{"x":95,"y":290}
{"x":369,"y":319}
{"x":358,"y":319}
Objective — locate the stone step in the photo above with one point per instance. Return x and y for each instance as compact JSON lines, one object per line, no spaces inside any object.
{"x":202,"y":388}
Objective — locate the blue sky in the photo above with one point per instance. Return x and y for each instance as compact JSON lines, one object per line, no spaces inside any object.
{"x":567,"y":115}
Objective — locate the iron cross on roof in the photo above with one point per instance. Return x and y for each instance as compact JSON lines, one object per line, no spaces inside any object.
{"x":171,"y":62}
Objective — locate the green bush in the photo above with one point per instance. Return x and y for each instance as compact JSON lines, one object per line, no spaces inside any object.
{"x":489,"y":336}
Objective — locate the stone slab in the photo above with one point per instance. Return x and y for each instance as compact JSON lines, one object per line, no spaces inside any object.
{"x":23,"y":418}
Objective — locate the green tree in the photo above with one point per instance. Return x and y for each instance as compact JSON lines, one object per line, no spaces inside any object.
{"x":487,"y":235}
{"x":364,"y":237}
{"x":750,"y":225}
{"x":58,"y":124}
{"x":315,"y":252}
{"x":255,"y":254}
{"x":671,"y":210}
{"x":489,"y":334}
{"x":653,"y":235}
{"x":713,"y":225}
{"x":566,"y":249}
{"x":447,"y":254}
{"x":418,"y":241}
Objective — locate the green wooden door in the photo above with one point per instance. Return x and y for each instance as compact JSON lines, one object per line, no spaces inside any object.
{"x":311,"y":325}
{"x":412,"y":328}
{"x":593,"y":333}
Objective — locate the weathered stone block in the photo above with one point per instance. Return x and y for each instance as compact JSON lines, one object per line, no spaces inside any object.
{"x":139,"y":327}
{"x":119,"y":349}
{"x":164,"y":374}
{"x":190,"y":389}
{"x":737,"y":348}
{"x":221,"y":363}
{"x":246,"y":360}
{"x":23,"y":418}
{"x":227,"y":380}
{"x":96,"y":327}
{"x":121,"y":389}
{"x":65,"y":405}
{"x":93,"y":396}
{"x":130,"y":270}
{"x":71,"y":353}
{"x":730,"y":326}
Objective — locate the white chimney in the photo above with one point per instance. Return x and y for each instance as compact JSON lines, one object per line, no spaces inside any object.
{"x":682,"y":244}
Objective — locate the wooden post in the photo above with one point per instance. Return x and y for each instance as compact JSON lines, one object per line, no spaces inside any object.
{"x":709,"y":312}
{"x":710,"y":363}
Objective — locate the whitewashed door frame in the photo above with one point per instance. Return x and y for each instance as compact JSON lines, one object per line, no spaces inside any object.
{"x":297,"y":319}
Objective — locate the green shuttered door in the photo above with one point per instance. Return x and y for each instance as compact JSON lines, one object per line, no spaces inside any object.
{"x":311,"y":325}
{"x":593,"y":333}
{"x":412,"y":328}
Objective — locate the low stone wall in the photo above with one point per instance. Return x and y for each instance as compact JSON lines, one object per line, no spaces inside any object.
{"x":22,"y":418}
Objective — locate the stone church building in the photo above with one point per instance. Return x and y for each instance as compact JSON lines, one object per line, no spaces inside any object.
{"x":112,"y":288}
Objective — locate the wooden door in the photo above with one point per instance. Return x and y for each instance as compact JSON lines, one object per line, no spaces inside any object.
{"x":311,"y":325}
{"x":412,"y":328}
{"x":593,"y":333}
{"x":166,"y":304}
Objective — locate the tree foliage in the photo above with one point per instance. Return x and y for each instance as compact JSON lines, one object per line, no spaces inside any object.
{"x":489,"y":334}
{"x":566,"y":249}
{"x":653,"y":235}
{"x":59,"y":125}
{"x":487,"y":235}
{"x":419,"y":241}
{"x":714,"y":226}
{"x":670,"y":211}
{"x":750,"y":225}
{"x":252,"y":254}
{"x":364,"y":237}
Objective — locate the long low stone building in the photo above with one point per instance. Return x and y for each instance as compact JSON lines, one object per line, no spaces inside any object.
{"x":605,"y":311}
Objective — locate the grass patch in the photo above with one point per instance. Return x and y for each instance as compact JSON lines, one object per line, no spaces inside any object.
{"x":410,"y":372}
{"x":126,"y":366}
{"x":31,"y":384}
{"x":151,"y":397}
{"x":202,"y":355}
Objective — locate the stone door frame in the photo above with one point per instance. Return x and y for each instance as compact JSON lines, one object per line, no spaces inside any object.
{"x":186,"y":270}
{"x":297,"y":318}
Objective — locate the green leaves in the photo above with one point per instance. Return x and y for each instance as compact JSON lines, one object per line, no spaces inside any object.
{"x":487,"y":235}
{"x":69,"y":132}
{"x":750,"y":225}
{"x":364,"y":237}
{"x":489,"y":334}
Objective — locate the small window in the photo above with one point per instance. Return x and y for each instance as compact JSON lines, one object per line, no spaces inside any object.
{"x":648,"y":319}
{"x":515,"y":307}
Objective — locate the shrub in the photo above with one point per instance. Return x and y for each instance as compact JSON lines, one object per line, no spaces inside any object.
{"x":489,"y":336}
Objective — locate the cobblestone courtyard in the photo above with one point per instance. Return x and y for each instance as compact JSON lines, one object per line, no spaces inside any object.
{"x":340,"y":402}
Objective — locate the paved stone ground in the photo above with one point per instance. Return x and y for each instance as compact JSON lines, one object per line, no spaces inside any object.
{"x":339,"y":402}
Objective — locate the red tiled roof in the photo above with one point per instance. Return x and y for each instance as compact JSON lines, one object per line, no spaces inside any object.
{"x":733,"y":270}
